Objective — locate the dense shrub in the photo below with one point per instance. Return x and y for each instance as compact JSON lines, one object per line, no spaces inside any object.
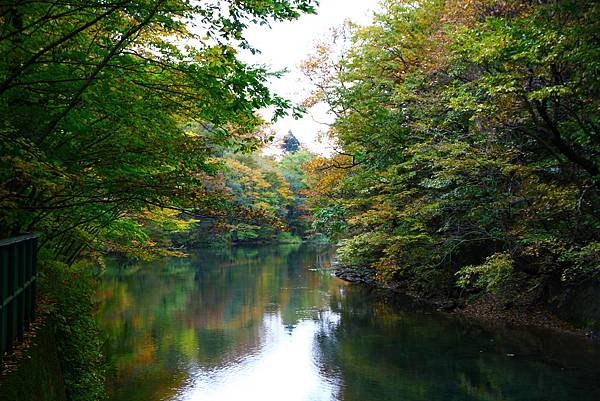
{"x":69,"y":291}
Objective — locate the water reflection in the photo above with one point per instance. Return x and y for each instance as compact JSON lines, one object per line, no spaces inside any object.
{"x":283,"y":369}
{"x":268,"y":324}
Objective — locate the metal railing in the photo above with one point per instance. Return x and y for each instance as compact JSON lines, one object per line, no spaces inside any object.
{"x":18,"y":274}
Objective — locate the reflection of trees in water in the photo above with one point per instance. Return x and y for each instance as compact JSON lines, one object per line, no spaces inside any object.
{"x":206,"y":310}
{"x":383,"y":351}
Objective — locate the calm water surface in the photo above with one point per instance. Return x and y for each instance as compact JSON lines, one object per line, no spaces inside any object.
{"x":269,"y":323}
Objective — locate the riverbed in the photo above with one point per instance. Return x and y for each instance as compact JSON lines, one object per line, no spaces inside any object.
{"x":271,"y":323}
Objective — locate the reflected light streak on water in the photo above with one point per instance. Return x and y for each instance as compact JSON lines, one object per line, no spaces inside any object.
{"x":283,"y":369}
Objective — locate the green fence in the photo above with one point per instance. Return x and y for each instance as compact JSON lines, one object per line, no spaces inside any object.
{"x":18,"y":273}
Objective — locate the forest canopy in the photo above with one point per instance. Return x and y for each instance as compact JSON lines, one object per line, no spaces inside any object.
{"x":468,"y":137}
{"x":115,"y":109}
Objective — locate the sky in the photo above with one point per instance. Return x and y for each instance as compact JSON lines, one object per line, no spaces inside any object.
{"x":286,"y":44}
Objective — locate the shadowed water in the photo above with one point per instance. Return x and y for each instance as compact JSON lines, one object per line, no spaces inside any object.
{"x":269,"y":323}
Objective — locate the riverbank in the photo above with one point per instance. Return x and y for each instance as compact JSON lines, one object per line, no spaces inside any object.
{"x":483,"y":307}
{"x":32,"y":371}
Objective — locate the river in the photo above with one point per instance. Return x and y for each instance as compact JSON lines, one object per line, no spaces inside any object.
{"x":270,"y":323}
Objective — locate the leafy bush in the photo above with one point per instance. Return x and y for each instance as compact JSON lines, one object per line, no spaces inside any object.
{"x":69,"y":290}
{"x":288,"y":238}
{"x":490,"y":275}
{"x":361,"y":250}
{"x":584,"y":261}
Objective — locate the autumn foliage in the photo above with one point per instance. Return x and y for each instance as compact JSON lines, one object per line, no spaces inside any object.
{"x":468,"y":146}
